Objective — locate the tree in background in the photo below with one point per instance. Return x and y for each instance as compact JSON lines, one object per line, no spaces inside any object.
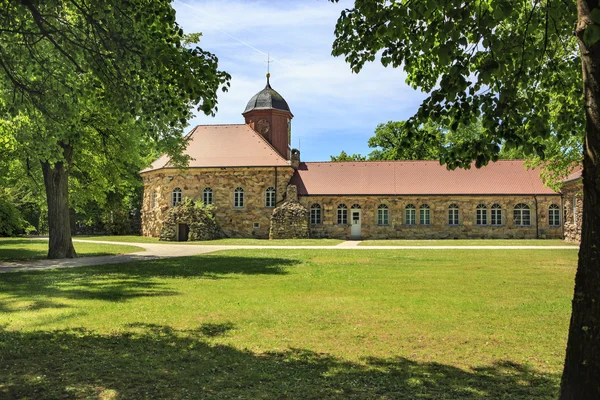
{"x":86,"y":86}
{"x":345,"y":157}
{"x":517,"y":67}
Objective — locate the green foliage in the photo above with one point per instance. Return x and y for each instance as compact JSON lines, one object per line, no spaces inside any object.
{"x":199,"y":218}
{"x":113,"y":81}
{"x":345,"y":157}
{"x":514,"y":66}
{"x":11,"y":221}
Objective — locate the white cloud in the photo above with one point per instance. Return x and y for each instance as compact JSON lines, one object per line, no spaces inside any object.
{"x":327,"y":99}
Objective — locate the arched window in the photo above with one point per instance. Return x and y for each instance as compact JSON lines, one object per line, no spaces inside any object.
{"x":207,"y":196}
{"x":154,"y":199}
{"x":238,"y":198}
{"x":270,"y":198}
{"x":481,"y":215}
{"x":554,"y":215}
{"x":496,"y":215}
{"x":522,"y":215}
{"x":410,"y":214}
{"x":175,"y":197}
{"x":383,"y":215}
{"x":342,"y":214}
{"x":424,"y":215}
{"x":453,"y":214}
{"x":315,"y":214}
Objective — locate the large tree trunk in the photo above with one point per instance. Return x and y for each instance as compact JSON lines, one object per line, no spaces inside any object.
{"x":56,"y":177}
{"x":581,"y":376}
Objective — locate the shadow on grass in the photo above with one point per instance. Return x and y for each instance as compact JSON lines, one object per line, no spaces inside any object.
{"x":159,"y":362}
{"x":122,"y":282}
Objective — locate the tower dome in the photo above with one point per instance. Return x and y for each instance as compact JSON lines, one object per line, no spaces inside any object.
{"x":267,"y":99}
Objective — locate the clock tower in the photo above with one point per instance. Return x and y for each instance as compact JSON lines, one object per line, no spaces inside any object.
{"x":269,"y":114}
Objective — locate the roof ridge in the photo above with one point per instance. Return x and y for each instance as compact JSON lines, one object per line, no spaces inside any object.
{"x":396,"y":161}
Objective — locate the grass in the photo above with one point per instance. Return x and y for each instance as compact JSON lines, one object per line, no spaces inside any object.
{"x":299,"y":324}
{"x":16,"y":249}
{"x":469,"y":242}
{"x":220,"y":242}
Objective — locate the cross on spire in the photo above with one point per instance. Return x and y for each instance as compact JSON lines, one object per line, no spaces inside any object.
{"x":269,"y":61}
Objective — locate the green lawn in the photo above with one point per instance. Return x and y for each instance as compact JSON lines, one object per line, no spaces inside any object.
{"x":469,"y":242}
{"x":228,"y":241}
{"x":12,"y":249}
{"x":297,"y":324}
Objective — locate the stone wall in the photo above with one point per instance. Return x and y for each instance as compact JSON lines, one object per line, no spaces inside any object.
{"x":573,"y":210}
{"x":253,"y":220}
{"x":290,"y":220}
{"x":439,"y":228}
{"x":199,"y":219}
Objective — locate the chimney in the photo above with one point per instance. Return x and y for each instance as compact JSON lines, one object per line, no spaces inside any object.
{"x":295,"y":159}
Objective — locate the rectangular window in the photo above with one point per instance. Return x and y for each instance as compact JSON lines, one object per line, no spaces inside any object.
{"x":270,"y":198}
{"x":383,"y":216}
{"x":496,"y":216}
{"x":522,"y":217}
{"x":481,"y":216}
{"x":411,"y":216}
{"x":554,"y":217}
{"x":342,"y":217}
{"x":207,"y":197}
{"x":424,"y":216}
{"x":238,"y":199}
{"x":315,"y":216}
{"x":453,"y":216}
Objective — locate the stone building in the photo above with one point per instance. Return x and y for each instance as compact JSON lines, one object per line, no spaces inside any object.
{"x":572,"y":191}
{"x":244,"y":171}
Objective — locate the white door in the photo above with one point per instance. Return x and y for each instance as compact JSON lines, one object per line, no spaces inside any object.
{"x":355,"y":216}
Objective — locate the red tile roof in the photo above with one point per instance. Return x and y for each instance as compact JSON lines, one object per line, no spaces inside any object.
{"x":415,"y":178}
{"x":576,"y":174}
{"x":226,"y":146}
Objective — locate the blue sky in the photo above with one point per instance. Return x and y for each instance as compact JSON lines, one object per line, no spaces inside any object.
{"x":333,"y":108}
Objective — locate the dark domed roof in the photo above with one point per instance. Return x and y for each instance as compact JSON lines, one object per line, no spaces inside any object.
{"x":267,"y":99}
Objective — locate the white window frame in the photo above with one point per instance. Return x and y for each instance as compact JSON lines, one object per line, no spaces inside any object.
{"x":383,"y":215}
{"x":270,"y":197}
{"x":496,"y":215}
{"x":207,"y":196}
{"x":410,"y":214}
{"x":176,"y":196}
{"x":554,"y":215}
{"x":315,"y":214}
{"x":425,"y":215}
{"x":238,"y":198}
{"x":481,"y":215}
{"x":522,"y":214}
{"x":342,"y":214}
{"x":453,"y":219}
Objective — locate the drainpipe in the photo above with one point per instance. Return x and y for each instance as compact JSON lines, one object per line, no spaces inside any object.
{"x":276,"y":188}
{"x":537,"y":225}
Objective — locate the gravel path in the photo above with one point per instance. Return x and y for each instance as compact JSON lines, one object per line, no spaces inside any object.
{"x":153,"y":251}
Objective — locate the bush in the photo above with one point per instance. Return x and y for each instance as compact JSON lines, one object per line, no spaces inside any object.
{"x":11,"y":221}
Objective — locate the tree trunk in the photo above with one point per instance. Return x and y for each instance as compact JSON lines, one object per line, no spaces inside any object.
{"x":581,"y":376}
{"x":56,"y":181}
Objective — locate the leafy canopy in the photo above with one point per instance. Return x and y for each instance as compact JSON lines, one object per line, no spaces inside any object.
{"x":513,"y":65}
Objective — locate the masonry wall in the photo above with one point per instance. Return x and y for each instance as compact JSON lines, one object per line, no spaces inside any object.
{"x":439,"y":228}
{"x":235,"y":222}
{"x":573,"y":210}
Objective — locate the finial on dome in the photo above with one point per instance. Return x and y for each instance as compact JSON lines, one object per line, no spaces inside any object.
{"x":268,"y":76}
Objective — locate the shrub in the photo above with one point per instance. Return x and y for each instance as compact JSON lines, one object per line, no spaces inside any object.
{"x":11,"y":221}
